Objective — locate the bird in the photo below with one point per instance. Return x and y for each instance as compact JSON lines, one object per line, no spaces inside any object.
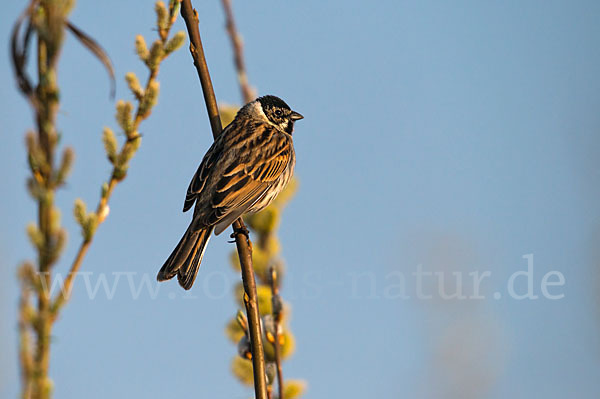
{"x":243,"y":171}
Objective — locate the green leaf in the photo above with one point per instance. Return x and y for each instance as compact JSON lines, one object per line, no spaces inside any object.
{"x":98,"y":51}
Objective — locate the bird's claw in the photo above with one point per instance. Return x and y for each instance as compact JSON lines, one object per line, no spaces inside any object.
{"x":243,"y":231}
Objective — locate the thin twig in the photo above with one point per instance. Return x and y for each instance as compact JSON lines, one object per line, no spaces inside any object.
{"x":101,"y":210}
{"x":47,"y":21}
{"x":248,"y":93}
{"x":240,"y":232}
{"x":276,"y":305}
{"x":47,"y":92}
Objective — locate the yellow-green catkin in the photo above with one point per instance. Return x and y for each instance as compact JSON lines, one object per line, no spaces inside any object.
{"x":265,"y":255}
{"x":175,"y":42}
{"x":110,"y":144}
{"x":141,"y":49}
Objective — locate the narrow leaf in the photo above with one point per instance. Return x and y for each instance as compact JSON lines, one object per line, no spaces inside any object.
{"x":98,"y":51}
{"x":19,"y":54}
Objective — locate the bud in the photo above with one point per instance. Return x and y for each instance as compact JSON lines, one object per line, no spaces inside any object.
{"x":35,"y":236}
{"x":156,"y":55}
{"x":293,"y":389}
{"x":59,"y":245}
{"x":242,"y":369}
{"x":242,"y":321}
{"x":79,"y":211}
{"x":244,"y":348}
{"x":110,"y":144}
{"x":134,"y":85}
{"x":162,"y":17}
{"x":65,"y":165}
{"x":150,"y":98}
{"x":26,"y":273}
{"x":54,"y":220}
{"x":271,"y":372}
{"x":174,"y":9}
{"x":123,"y":115}
{"x":128,"y":151}
{"x":264,"y":294}
{"x":233,"y":331}
{"x":175,"y":42}
{"x":287,"y":344}
{"x":120,"y":172}
{"x":141,"y":49}
{"x":90,"y":226}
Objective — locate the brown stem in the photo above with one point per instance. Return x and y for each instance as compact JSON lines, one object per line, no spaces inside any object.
{"x":63,"y":296}
{"x":277,"y":346}
{"x":190,"y":16}
{"x":248,"y":93}
{"x":276,"y":299}
{"x":242,"y":240}
{"x":50,"y":17}
{"x":47,"y":93}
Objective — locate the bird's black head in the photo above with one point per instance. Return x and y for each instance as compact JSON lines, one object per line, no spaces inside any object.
{"x":279,"y":113}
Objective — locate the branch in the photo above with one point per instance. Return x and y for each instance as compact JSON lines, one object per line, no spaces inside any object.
{"x":277,"y":308}
{"x":248,"y":93}
{"x":146,"y":100}
{"x":240,"y":232}
{"x":46,"y":21}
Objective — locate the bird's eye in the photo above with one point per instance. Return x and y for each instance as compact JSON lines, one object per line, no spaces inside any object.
{"x":278,"y":112}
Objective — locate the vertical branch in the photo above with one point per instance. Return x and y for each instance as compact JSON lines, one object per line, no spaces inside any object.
{"x":268,"y":277}
{"x":48,"y":49}
{"x":47,"y":20}
{"x":146,"y":97}
{"x":277,"y":308}
{"x":240,"y":232}
{"x":190,"y":16}
{"x":248,"y":93}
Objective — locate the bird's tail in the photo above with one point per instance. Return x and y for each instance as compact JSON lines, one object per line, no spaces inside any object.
{"x":186,"y":257}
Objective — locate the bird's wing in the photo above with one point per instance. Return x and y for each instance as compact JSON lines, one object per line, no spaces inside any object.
{"x":260,"y":160}
{"x":199,"y":180}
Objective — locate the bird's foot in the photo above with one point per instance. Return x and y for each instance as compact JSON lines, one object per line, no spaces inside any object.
{"x":243,"y":231}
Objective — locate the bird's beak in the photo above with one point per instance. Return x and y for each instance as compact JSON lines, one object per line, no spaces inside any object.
{"x":296,"y":116}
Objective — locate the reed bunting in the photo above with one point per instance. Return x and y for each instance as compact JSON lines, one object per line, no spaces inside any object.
{"x":245,"y":168}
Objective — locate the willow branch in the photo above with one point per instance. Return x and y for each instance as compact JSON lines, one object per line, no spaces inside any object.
{"x":101,"y":211}
{"x":277,"y":308}
{"x":240,"y":232}
{"x":146,"y":100}
{"x":248,"y":93}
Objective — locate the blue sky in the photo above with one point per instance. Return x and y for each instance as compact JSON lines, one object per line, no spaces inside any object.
{"x":438,"y":136}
